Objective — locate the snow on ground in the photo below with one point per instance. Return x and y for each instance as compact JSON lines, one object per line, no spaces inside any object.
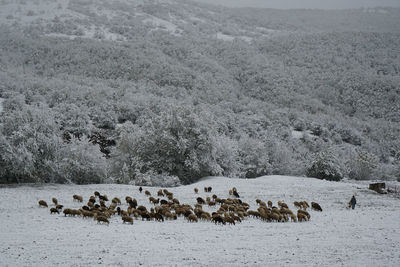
{"x":161,"y":24}
{"x":366,"y":236}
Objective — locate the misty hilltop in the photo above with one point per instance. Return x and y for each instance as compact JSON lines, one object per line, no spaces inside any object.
{"x":167,"y":92}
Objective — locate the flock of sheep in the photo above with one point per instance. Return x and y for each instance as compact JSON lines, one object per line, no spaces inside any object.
{"x":231,"y":210}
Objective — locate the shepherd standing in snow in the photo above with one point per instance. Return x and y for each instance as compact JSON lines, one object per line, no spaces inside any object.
{"x":353,"y":202}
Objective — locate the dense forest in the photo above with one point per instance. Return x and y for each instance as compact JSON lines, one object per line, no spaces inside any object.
{"x":167,"y":92}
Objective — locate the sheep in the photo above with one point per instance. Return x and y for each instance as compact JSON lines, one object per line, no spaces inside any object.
{"x":128,"y":199}
{"x":158,"y":217}
{"x":77,"y":198}
{"x":214,"y":196}
{"x":43,"y":203}
{"x":196,"y":191}
{"x":293,"y":217}
{"x":101,"y":218}
{"x":269,"y":203}
{"x":230,"y":192}
{"x":142,"y":209}
{"x":140,"y":189}
{"x":145,"y":215}
{"x":304,"y":204}
{"x":116,"y":201}
{"x":229,"y":220}
{"x":301,"y":217}
{"x":96,"y":193}
{"x":209,"y":189}
{"x":154,"y":201}
{"x":133,"y":203}
{"x":59,"y":207}
{"x":200,"y":200}
{"x":192,"y":218}
{"x":316,"y":206}
{"x":55,"y":201}
{"x":205,"y":189}
{"x":160,"y":193}
{"x":85,"y":208}
{"x":127,"y":219}
{"x":147,"y":193}
{"x":163,"y":202}
{"x":297,"y":205}
{"x":170,"y":195}
{"x":282,"y":205}
{"x":218,"y":219}
{"x":103,"y":197}
{"x":67,"y":212}
{"x":235,"y":193}
{"x":170,"y":216}
{"x":236,"y":218}
{"x":86,"y":213}
{"x":175,"y":201}
{"x":54,"y":210}
{"x":305,"y":213}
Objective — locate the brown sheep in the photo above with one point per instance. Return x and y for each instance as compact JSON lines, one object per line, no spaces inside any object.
{"x":230,"y":192}
{"x":229,"y":220}
{"x":43,"y":203}
{"x":86,"y":214}
{"x":133,"y":203}
{"x":236,"y":194}
{"x":101,"y":218}
{"x":175,"y":201}
{"x":163,"y":202}
{"x":128,"y":199}
{"x":158,"y":217}
{"x":59,"y":207}
{"x":269,"y":203}
{"x":297,"y":205}
{"x":214,"y":196}
{"x":293,"y":217}
{"x":196,"y":191}
{"x":96,"y":193}
{"x":147,"y":193}
{"x":55,"y":201}
{"x":54,"y":210}
{"x":209,"y":189}
{"x":103,"y":197}
{"x":192,"y":218}
{"x":200,"y":200}
{"x":217,"y":219}
{"x":67,"y":212}
{"x":116,"y":201}
{"x":301,"y":217}
{"x":305,"y":213}
{"x":127,"y":219}
{"x":170,"y":196}
{"x":316,"y":206}
{"x":282,"y":205}
{"x":205,"y":189}
{"x":77,"y":198}
{"x":160,"y":193}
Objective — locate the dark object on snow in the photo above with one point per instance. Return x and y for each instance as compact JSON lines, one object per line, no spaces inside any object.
{"x":316,"y":206}
{"x":378,"y":187}
{"x":353,"y":202}
{"x":235,"y":193}
{"x":140,"y":189}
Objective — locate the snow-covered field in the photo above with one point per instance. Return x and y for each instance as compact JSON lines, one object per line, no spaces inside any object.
{"x":366,"y":236}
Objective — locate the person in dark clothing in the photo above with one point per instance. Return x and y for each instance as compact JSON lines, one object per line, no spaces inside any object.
{"x":353,"y":202}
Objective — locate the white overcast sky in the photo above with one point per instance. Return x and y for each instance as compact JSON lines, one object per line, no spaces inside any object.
{"x":319,"y":4}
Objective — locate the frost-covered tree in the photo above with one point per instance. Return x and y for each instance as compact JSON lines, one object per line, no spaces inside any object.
{"x":325,"y":166}
{"x":362,"y":166}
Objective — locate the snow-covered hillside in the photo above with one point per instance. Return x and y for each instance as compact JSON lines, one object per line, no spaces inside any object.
{"x":366,"y":236}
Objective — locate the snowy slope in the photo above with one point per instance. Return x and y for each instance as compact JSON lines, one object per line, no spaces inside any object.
{"x":366,"y":236}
